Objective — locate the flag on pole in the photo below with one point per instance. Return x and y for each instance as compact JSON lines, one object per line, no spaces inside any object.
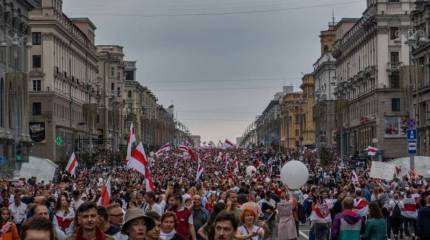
{"x":229,"y":144}
{"x":72,"y":165}
{"x":131,"y":140}
{"x":149,"y":180}
{"x":235,"y":166}
{"x":138,"y":160}
{"x":106,"y":194}
{"x":200,"y":170}
{"x":371,"y":151}
{"x":354,"y":178}
{"x":163,"y":149}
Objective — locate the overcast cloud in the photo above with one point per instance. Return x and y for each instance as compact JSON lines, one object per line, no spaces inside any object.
{"x":219,"y":70}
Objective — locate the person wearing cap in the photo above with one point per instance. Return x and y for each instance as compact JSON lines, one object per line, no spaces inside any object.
{"x":136,"y":224}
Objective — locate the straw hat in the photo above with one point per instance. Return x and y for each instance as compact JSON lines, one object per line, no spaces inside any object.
{"x":132,"y":214}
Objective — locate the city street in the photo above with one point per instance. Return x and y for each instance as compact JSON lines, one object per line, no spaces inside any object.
{"x":205,"y":119}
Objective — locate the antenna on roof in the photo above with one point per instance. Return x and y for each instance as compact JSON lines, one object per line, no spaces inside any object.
{"x":333,"y":19}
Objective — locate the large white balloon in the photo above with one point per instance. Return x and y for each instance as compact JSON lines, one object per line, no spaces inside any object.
{"x":294,"y":174}
{"x":250,"y":170}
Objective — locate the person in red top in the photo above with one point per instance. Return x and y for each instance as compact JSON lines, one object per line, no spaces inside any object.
{"x":184,"y":216}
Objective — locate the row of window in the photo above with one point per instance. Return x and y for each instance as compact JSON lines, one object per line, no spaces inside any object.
{"x":358,"y":111}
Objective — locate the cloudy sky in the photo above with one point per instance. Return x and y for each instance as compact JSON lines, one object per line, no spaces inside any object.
{"x":218,"y":61}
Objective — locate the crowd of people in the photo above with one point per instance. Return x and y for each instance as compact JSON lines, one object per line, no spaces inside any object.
{"x":339,"y":201}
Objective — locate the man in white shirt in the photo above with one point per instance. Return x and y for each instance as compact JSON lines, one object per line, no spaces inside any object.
{"x":18,"y":210}
{"x":151,"y":205}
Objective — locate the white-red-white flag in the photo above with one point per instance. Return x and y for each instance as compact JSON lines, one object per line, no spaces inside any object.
{"x":72,"y":165}
{"x":354,"y":178}
{"x":150,"y":186}
{"x":138,"y":160}
{"x":200,"y":170}
{"x":163,"y":149}
{"x":235,"y":166}
{"x":371,"y":151}
{"x":131,"y":141}
{"x":106,"y":194}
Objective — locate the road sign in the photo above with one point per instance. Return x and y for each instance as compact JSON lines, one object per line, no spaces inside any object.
{"x":412,"y":135}
{"x":412,"y":148}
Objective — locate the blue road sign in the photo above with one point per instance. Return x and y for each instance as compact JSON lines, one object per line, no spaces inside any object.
{"x":412,"y":148}
{"x":412,"y":135}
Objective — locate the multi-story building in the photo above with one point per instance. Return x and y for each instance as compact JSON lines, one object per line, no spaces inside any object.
{"x":419,"y":74}
{"x":368,"y":55}
{"x":134,"y":103}
{"x":15,"y":141}
{"x":111,"y":75}
{"x":196,"y":140}
{"x":150,"y":118}
{"x":63,"y":83}
{"x":308,"y":120}
{"x":165,"y":126}
{"x":182,"y":134}
{"x":325,"y":83}
{"x":291,"y":119}
{"x":249,"y":137}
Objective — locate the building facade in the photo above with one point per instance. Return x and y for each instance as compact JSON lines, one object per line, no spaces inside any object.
{"x":110,"y":104}
{"x":325,"y":83}
{"x":63,"y":83}
{"x":368,"y":55}
{"x":308,"y":120}
{"x":419,"y":74}
{"x":15,"y":41}
{"x":291,"y":119}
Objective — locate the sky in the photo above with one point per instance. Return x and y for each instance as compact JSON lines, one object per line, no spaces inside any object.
{"x":219,"y":62}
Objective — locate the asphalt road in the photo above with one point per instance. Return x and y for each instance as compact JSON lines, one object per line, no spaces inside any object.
{"x":304,"y":231}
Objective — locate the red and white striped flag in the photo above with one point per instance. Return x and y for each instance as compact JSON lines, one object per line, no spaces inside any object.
{"x":371,"y":151}
{"x":194,"y":156}
{"x":410,"y":208}
{"x":150,"y":186}
{"x":229,"y":144}
{"x":163,"y":149}
{"x":106,"y":194}
{"x":361,"y":207}
{"x":72,"y":165}
{"x":138,"y":160}
{"x":354,"y":178}
{"x":235,"y":166}
{"x":200,"y":170}
{"x":131,"y":140}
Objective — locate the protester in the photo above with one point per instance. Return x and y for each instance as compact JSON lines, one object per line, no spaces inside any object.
{"x":376,"y":225}
{"x":423,"y":222}
{"x":85,"y":224}
{"x":287,"y":224}
{"x":136,"y":224}
{"x":249,"y":230}
{"x":18,"y":210}
{"x":153,"y":233}
{"x":348,"y":224}
{"x":168,"y":227}
{"x":38,"y":228}
{"x":64,"y":213}
{"x":225,"y":227}
{"x":42,"y":211}
{"x":8,"y":231}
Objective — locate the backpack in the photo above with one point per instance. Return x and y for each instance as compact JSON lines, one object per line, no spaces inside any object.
{"x":397,"y":213}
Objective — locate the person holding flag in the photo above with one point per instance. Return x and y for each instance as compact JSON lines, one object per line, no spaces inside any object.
{"x":72,"y":165}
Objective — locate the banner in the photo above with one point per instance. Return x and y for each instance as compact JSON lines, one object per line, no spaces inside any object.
{"x":382,"y":170}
